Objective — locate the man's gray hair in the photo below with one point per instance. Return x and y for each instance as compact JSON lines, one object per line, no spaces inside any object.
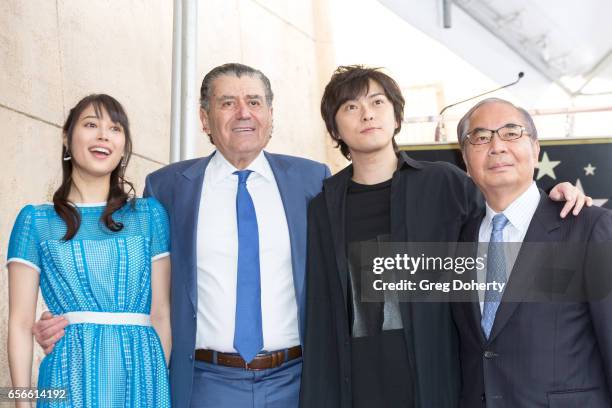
{"x":234,"y":69}
{"x":463,"y":127}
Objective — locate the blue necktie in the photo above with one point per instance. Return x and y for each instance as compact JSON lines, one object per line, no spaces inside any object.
{"x":248,"y":336}
{"x":496,"y":272}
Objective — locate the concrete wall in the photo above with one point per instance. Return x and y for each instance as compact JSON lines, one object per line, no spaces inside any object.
{"x":54,"y":52}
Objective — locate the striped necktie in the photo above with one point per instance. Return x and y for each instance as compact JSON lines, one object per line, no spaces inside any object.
{"x":496,"y":272}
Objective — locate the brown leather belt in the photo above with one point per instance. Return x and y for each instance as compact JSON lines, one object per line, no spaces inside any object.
{"x":260,"y":362}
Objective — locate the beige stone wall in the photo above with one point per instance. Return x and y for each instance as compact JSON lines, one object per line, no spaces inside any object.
{"x":53,"y":52}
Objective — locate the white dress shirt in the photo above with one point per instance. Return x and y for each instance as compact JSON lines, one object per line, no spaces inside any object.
{"x":217,"y":258}
{"x":519,"y":214}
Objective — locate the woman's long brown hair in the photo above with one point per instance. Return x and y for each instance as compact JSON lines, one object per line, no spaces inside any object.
{"x":117,"y":194}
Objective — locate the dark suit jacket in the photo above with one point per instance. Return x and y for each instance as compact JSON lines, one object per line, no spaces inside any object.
{"x":429,"y":203}
{"x":542,"y":353}
{"x":179,"y":188}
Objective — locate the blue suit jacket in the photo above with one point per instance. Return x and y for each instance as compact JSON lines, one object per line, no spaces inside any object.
{"x":178,"y":187}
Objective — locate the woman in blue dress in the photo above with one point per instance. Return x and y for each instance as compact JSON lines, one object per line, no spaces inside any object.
{"x":100,"y":258}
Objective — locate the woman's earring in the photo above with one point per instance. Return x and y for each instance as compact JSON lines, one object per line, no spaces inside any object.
{"x":123,"y":162}
{"x":67,"y":156}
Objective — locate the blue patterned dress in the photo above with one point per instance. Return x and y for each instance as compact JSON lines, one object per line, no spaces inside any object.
{"x":100,"y":365}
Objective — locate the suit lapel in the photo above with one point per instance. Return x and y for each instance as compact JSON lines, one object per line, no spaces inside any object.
{"x":403,"y":228}
{"x":542,"y":228}
{"x":186,"y":208}
{"x":294,"y":204}
{"x":471,"y":309}
{"x":335,"y":190}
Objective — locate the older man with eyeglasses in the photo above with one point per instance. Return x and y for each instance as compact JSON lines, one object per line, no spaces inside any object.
{"x":518,"y":350}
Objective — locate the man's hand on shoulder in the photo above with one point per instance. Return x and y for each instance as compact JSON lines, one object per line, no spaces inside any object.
{"x":573,"y":196}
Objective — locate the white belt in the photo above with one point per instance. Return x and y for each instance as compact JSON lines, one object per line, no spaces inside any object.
{"x":139,"y":319}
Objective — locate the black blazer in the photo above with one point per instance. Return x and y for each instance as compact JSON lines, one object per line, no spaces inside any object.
{"x":430,"y":202}
{"x":542,"y":353}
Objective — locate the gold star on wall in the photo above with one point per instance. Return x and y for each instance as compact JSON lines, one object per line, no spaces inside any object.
{"x":589,"y":170}
{"x":598,"y":202}
{"x":546,"y":167}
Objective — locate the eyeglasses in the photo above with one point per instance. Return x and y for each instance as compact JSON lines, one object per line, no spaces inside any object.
{"x":480,"y":136}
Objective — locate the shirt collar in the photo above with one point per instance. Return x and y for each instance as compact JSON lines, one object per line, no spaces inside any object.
{"x":520,"y":211}
{"x":221,"y":168}
{"x":405,"y":160}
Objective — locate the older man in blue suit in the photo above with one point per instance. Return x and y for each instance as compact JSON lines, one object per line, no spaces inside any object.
{"x":238,"y":222}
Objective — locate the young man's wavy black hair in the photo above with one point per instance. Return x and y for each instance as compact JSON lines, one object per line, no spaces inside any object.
{"x":350,"y":82}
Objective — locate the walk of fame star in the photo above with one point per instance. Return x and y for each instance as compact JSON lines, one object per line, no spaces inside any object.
{"x":589,"y":170}
{"x":598,"y":202}
{"x":546,"y":167}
